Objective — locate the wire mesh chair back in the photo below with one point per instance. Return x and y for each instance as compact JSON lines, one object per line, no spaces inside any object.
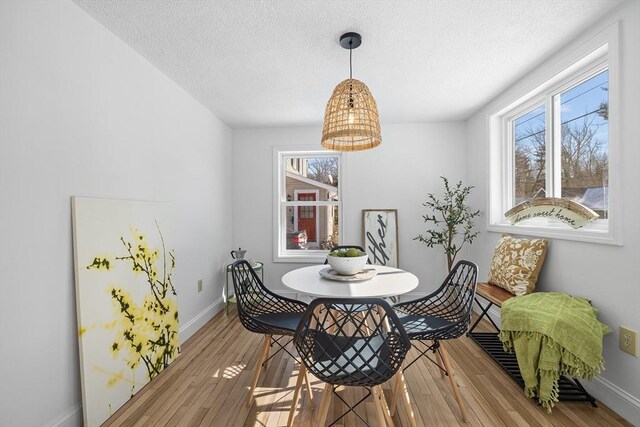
{"x":255,"y":300}
{"x":351,"y":343}
{"x":452,"y":302}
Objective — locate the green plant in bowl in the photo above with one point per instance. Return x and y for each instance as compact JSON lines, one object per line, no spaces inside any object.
{"x":347,"y":261}
{"x":352,"y":252}
{"x":347,"y":253}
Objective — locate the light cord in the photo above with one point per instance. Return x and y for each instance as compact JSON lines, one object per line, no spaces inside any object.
{"x":350,"y":66}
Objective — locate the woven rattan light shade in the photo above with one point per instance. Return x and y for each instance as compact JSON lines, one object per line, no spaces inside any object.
{"x":351,"y":119}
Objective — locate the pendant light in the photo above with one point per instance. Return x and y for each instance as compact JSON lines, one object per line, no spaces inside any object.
{"x":351,"y":118}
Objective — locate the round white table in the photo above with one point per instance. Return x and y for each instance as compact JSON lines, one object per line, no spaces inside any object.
{"x":387,"y":282}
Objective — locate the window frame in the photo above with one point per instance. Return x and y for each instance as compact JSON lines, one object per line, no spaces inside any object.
{"x":280,"y":203}
{"x":598,"y":54}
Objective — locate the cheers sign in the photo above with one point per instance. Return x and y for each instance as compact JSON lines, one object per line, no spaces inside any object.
{"x":380,"y":236}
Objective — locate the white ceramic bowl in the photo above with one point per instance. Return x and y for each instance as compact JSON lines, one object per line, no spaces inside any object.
{"x":347,"y":266}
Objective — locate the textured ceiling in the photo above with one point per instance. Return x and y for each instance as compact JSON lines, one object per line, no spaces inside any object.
{"x":275,"y":63}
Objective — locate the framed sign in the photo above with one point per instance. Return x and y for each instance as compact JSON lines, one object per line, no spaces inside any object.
{"x":380,"y":235}
{"x":571,"y":213}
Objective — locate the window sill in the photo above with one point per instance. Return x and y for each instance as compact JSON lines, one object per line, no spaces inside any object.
{"x":593,"y":234}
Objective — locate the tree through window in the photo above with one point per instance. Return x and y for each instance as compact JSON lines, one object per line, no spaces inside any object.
{"x":561,"y":146}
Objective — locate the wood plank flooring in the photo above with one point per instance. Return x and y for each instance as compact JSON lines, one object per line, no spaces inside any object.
{"x":207,"y":384}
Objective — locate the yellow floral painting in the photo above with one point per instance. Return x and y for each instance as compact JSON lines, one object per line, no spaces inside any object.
{"x":126,"y":300}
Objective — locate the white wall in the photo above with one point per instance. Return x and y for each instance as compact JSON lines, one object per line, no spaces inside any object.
{"x":83,"y":114}
{"x":396,"y":175}
{"x":608,"y":275}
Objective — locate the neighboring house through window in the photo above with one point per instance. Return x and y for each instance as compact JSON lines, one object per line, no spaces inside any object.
{"x":560,"y":140}
{"x":306,"y":204}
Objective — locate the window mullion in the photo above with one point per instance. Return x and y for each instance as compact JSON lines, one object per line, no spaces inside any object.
{"x":555,"y":145}
{"x":508,"y":179}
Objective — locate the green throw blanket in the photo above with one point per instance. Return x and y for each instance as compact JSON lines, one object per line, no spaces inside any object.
{"x":552,"y":334}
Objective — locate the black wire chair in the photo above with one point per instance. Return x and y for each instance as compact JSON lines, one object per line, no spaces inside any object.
{"x":345,"y":346}
{"x":443,"y":315}
{"x":264,"y":312}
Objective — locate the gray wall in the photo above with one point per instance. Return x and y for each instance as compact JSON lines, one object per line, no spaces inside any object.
{"x":83,"y":114}
{"x":79,"y":110}
{"x":607,"y":275}
{"x":396,"y":175}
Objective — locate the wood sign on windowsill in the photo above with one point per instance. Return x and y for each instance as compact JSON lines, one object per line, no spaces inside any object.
{"x":564,"y":210}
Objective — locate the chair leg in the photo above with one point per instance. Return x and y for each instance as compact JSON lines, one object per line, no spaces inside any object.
{"x":266,"y":356}
{"x":256,"y":372}
{"x":296,"y":392}
{"x":323,"y":409}
{"x":385,"y":408}
{"x":309,"y":392}
{"x":453,"y":381}
{"x":335,"y":314}
{"x":377,"y":405}
{"x":395,"y":394}
{"x":442,"y":372}
{"x":400,"y":391}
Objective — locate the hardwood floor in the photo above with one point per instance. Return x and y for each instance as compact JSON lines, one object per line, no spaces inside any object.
{"x":207,"y":384}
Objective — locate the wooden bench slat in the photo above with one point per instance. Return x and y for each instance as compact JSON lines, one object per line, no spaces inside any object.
{"x":493,"y":293}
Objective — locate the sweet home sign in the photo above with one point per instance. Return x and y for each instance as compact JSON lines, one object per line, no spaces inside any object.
{"x":569,"y":212}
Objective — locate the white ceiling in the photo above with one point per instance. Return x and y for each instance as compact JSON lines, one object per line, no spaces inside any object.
{"x":275,"y":63}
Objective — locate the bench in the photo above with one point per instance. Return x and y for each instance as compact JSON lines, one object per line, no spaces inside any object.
{"x":570,"y":389}
{"x":494,"y":295}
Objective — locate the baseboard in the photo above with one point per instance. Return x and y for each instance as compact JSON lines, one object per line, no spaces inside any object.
{"x":71,"y":418}
{"x":286,"y":293}
{"x":617,"y":399}
{"x":494,"y":311}
{"x":192,"y":326}
{"x":411,"y":296}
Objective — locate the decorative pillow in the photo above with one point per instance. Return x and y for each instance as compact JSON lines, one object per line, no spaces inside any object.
{"x":516,"y":264}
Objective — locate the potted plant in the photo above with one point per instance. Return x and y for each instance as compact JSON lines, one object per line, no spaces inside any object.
{"x":451,"y":220}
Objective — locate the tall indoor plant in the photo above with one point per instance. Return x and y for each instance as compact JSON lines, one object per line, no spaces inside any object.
{"x":450,"y":224}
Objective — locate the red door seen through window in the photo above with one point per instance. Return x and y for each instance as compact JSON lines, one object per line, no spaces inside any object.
{"x":307,"y":215}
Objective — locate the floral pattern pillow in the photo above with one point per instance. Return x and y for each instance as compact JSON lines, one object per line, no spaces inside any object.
{"x":516,"y":264}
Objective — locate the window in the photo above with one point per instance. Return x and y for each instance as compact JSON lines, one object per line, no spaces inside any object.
{"x":307,"y":204}
{"x":558,"y":140}
{"x":576,"y":140}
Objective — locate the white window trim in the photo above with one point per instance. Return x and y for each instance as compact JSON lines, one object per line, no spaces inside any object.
{"x":580,"y":61}
{"x":280,"y":253}
{"x":295,"y":211}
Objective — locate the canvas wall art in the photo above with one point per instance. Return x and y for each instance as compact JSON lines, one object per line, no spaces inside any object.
{"x":126,"y":299}
{"x":380,"y":235}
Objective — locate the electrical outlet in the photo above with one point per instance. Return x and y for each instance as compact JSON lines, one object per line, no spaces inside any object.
{"x":629,"y":341}
{"x":200,"y":285}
